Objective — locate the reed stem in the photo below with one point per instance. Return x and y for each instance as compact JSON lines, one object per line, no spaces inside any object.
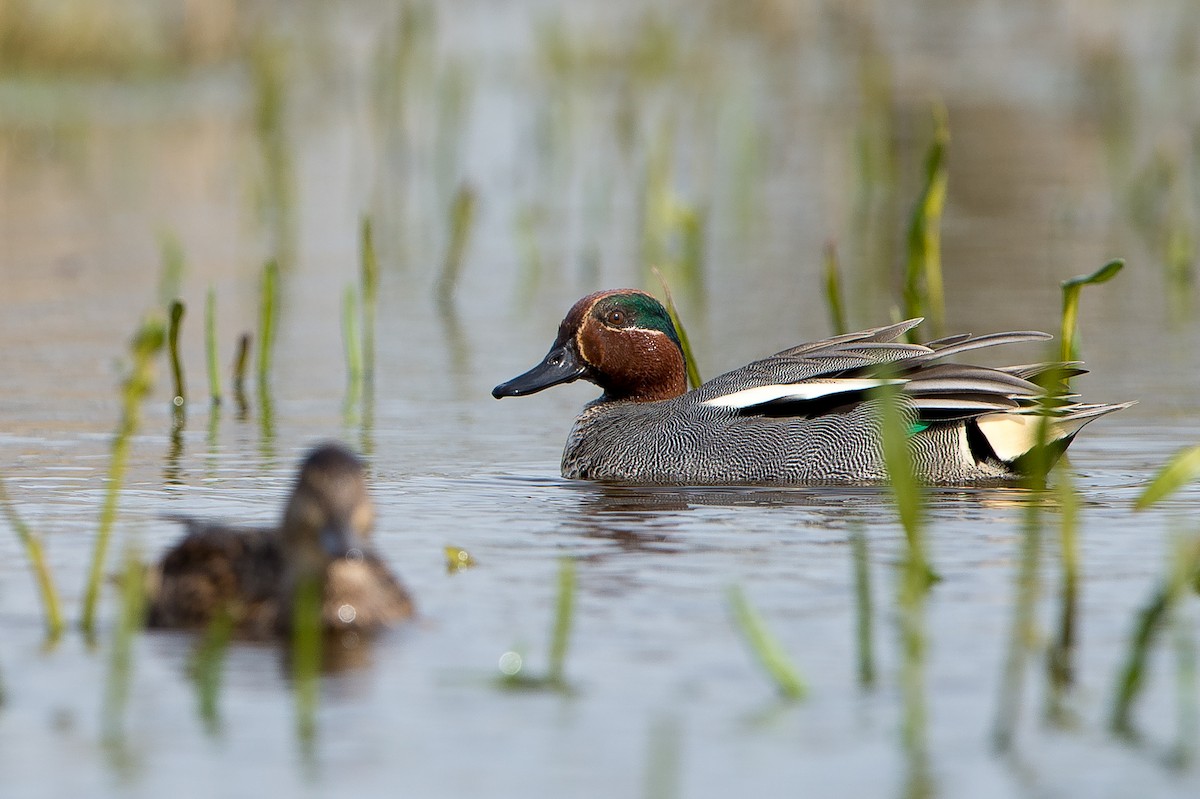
{"x":833,"y":290}
{"x":864,"y":613}
{"x":1068,"y":350}
{"x":210,"y":346}
{"x":176,"y":312}
{"x":353,"y":346}
{"x":241,"y":362}
{"x":146,"y":344}
{"x":267,"y":322}
{"x":462,"y":216}
{"x":306,"y":660}
{"x":206,"y":666}
{"x":923,"y":291}
{"x":51,"y":607}
{"x":121,"y":661}
{"x":370,"y":301}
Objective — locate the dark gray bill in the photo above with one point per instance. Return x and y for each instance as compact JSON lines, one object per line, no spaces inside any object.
{"x":560,"y":365}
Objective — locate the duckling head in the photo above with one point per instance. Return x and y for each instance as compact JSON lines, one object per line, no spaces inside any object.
{"x":330,"y":514}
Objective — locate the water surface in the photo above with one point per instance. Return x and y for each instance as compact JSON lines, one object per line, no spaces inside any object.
{"x":762,"y":118}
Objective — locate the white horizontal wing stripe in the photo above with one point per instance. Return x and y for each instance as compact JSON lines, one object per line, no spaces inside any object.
{"x":797,"y":392}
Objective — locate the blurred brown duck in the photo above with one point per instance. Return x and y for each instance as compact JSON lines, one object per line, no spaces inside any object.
{"x":253,"y":574}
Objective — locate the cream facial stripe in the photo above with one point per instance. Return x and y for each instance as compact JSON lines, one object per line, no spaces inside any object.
{"x":584,"y":317}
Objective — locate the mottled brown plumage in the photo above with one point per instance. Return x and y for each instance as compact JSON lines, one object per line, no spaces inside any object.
{"x":252,"y":574}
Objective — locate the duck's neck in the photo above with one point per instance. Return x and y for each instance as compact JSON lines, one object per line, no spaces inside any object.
{"x":640,"y":366}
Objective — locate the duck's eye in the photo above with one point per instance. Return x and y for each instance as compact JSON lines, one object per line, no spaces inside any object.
{"x":615,"y":317}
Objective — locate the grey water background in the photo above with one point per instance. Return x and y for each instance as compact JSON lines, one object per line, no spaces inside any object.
{"x":587,"y":132}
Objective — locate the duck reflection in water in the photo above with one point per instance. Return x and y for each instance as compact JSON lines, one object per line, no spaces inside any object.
{"x":652,"y":518}
{"x":252,"y":575}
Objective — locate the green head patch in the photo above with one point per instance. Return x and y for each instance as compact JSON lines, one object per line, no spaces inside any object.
{"x":635,"y":310}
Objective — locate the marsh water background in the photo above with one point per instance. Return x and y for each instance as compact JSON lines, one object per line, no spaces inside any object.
{"x":597,"y":138}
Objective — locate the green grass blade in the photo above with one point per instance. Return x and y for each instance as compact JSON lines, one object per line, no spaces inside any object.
{"x":1101,"y":275}
{"x":1150,"y":620}
{"x":210,"y":346}
{"x":1060,"y":667}
{"x":353,"y":346}
{"x":1133,"y":672}
{"x":916,"y":577}
{"x":269,"y":71}
{"x":864,"y":613}
{"x":267,"y":321}
{"x":306,"y":661}
{"x":147,"y":343}
{"x":1183,"y":636}
{"x":1022,"y":631}
{"x":689,"y":358}
{"x":51,"y":607}
{"x":1068,"y":350}
{"x":121,"y":661}
{"x":833,"y":290}
{"x":171,"y":278}
{"x":564,"y":612}
{"x":923,"y":291}
{"x":205,"y":669}
{"x":370,"y":300}
{"x":907,"y":491}
{"x":693,"y":223}
{"x":1183,"y":468}
{"x":177,"y":310}
{"x":766,"y":647}
{"x":241,"y":362}
{"x":462,"y":216}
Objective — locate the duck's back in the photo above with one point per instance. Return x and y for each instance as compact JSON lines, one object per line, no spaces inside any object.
{"x":215,"y":570}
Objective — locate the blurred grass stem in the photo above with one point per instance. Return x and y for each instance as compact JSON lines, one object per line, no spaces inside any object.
{"x":179,"y":398}
{"x":51,"y":607}
{"x":1069,"y":350}
{"x":146,"y":344}
{"x":693,"y":372}
{"x":864,"y":612}
{"x":924,"y":294}
{"x":834,"y":301}
{"x":766,"y":647}
{"x":370,"y":301}
{"x":210,"y":346}
{"x":462,"y":216}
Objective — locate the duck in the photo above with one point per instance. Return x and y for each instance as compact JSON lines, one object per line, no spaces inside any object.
{"x":252,"y":575}
{"x":807,"y":415}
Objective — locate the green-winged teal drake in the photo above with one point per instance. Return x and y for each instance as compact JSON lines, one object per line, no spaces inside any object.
{"x":804,"y":415}
{"x":253,"y":573}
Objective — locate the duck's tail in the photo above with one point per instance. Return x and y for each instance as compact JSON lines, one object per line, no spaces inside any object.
{"x":1012,"y":436}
